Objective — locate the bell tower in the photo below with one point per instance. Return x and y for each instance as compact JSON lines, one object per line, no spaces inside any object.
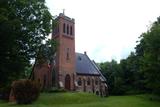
{"x":64,"y":33}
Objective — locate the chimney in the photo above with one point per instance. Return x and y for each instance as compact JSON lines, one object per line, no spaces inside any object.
{"x":85,"y":52}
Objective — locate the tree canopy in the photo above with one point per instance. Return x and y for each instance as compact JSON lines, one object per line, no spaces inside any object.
{"x":24,"y":26}
{"x":151,"y":56}
{"x":140,"y":71}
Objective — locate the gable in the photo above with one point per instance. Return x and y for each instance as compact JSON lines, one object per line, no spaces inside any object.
{"x":84,"y":65}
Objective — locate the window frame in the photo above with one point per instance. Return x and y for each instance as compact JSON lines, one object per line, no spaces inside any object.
{"x":79,"y":82}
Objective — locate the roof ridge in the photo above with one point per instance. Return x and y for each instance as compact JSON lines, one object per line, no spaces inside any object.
{"x":96,"y":66}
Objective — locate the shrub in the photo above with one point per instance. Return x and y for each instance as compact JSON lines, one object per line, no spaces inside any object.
{"x":4,"y":92}
{"x":25,"y":91}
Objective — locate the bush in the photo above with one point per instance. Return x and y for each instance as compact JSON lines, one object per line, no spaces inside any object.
{"x":25,"y":91}
{"x":4,"y":93}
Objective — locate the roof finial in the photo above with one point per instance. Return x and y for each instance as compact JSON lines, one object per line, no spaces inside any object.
{"x":63,"y":11}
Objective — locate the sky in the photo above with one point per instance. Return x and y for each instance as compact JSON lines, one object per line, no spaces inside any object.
{"x":107,"y":29}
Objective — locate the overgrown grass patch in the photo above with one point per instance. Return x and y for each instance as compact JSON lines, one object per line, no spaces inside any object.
{"x":87,"y":100}
{"x":67,"y":98}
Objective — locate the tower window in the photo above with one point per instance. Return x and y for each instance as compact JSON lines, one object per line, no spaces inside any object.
{"x":64,"y":28}
{"x":70,"y":30}
{"x":67,"y":29}
{"x":56,"y":30}
{"x":67,"y":55}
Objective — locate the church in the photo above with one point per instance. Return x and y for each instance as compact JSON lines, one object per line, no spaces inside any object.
{"x":70,"y":70}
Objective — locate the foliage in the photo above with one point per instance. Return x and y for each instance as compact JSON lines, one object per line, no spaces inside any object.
{"x":25,"y":91}
{"x":124,"y":77}
{"x":24,"y":25}
{"x":139,"y":72}
{"x":5,"y":92}
{"x":28,"y":70}
{"x":150,"y":58}
{"x":111,"y":70}
{"x":47,"y":52}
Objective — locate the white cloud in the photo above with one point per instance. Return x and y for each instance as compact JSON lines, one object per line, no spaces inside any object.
{"x":107,"y":29}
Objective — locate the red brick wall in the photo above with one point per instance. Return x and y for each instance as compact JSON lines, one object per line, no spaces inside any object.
{"x":65,"y":41}
{"x":92,"y":87}
{"x":43,"y":75}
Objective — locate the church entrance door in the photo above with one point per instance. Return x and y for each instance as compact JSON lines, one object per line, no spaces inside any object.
{"x":68,"y":82}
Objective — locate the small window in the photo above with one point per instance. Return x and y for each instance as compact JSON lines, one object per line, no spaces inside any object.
{"x":70,"y":30}
{"x":64,"y":28}
{"x":79,"y":81}
{"x":88,"y":81}
{"x":67,"y":29}
{"x":96,"y":81}
{"x":44,"y":81}
{"x":57,"y":28}
{"x":79,"y":58}
{"x":92,"y":81}
{"x":38,"y":80}
{"x":67,"y":54}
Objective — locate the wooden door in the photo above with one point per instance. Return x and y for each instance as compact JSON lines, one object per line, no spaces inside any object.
{"x":68,"y":82}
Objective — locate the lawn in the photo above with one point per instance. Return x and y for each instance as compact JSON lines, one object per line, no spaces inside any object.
{"x":87,"y":100}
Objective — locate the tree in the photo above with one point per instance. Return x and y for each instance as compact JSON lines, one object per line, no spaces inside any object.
{"x":123,"y":77}
{"x":151,"y":57}
{"x":24,"y":26}
{"x":140,"y":71}
{"x":113,"y":74}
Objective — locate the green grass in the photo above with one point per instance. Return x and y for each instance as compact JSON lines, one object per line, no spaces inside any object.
{"x":87,"y":100}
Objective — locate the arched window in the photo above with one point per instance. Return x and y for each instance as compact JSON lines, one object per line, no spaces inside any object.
{"x":38,"y":80}
{"x":96,"y":81}
{"x":64,"y":28}
{"x":70,"y":30}
{"x":67,"y":54}
{"x":79,"y":81}
{"x":67,"y":29}
{"x":88,"y":81}
{"x":93,"y":85}
{"x":53,"y":77}
{"x":44,"y":81}
{"x":57,"y":28}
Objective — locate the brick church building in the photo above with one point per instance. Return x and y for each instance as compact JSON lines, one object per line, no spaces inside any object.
{"x":70,"y":70}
